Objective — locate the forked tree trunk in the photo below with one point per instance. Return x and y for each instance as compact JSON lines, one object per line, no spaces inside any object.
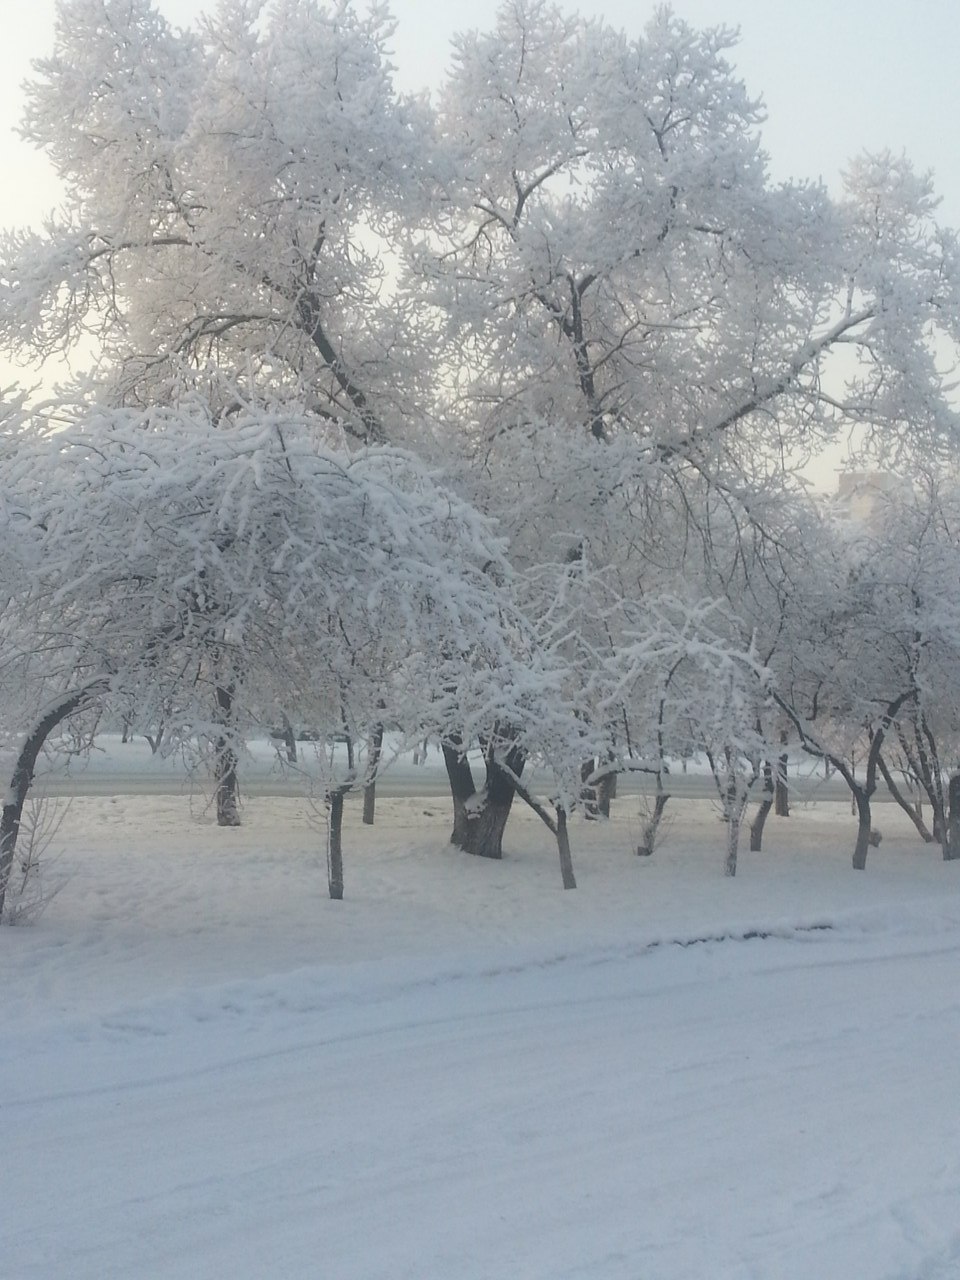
{"x":733,"y":799}
{"x":370,"y":790}
{"x":22,"y":776}
{"x":912,"y":811}
{"x":558,"y":826}
{"x":859,"y":793}
{"x":862,"y":795}
{"x":479,"y":819}
{"x":225,"y":765}
{"x":155,"y":740}
{"x":335,"y":845}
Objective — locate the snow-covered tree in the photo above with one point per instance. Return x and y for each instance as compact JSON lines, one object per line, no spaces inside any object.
{"x":574,"y":283}
{"x":210,"y":571}
{"x":843,"y":656}
{"x":616,"y":258}
{"x":230,"y":195}
{"x":909,"y":561}
{"x":616,"y":280}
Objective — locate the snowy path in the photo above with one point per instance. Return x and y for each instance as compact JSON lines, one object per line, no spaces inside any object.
{"x":513,"y":1108}
{"x":762,"y":1108}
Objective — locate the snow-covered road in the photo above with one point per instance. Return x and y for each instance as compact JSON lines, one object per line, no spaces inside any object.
{"x":769,"y":1107}
{"x":113,"y":768}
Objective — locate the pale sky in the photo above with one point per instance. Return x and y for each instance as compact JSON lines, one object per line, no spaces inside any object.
{"x":837,"y":76}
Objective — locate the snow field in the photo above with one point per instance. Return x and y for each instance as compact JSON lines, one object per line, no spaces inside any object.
{"x":461,"y":1071}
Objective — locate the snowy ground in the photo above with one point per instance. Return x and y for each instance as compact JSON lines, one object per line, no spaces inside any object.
{"x":462,"y":1072}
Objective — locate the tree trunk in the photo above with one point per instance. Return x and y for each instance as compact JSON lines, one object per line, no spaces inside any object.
{"x":648,"y":835}
{"x":591,"y":808}
{"x":370,"y":790}
{"x":861,"y":795}
{"x":606,"y":791}
{"x":22,"y":776}
{"x":757,"y":825}
{"x":481,"y":828}
{"x":862,"y":801}
{"x":768,"y":802}
{"x":911,"y":810}
{"x":951,"y":846}
{"x":335,"y":845}
{"x":462,"y":790}
{"x":225,"y":765}
{"x":598,"y":795}
{"x":289,"y":741}
{"x":733,"y":841}
{"x":479,"y":819}
{"x":782,"y":791}
{"x":563,"y":845}
{"x":558,"y":826}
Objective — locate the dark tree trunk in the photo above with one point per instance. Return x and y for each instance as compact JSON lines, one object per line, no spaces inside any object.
{"x":22,"y":777}
{"x":606,"y":791}
{"x":558,"y":826}
{"x":782,"y":791}
{"x":225,"y":765}
{"x":951,"y":846}
{"x":766,"y":804}
{"x":911,"y":810}
{"x":733,"y":843}
{"x":861,"y":795}
{"x":598,"y":795}
{"x":481,"y":829}
{"x":757,"y":825}
{"x":370,"y":790}
{"x":289,"y":741}
{"x":335,"y":851}
{"x":734,"y":808}
{"x":648,"y":838}
{"x":479,"y":820}
{"x":590,"y":807}
{"x":862,"y":801}
{"x":462,"y":790}
{"x":563,"y":845}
